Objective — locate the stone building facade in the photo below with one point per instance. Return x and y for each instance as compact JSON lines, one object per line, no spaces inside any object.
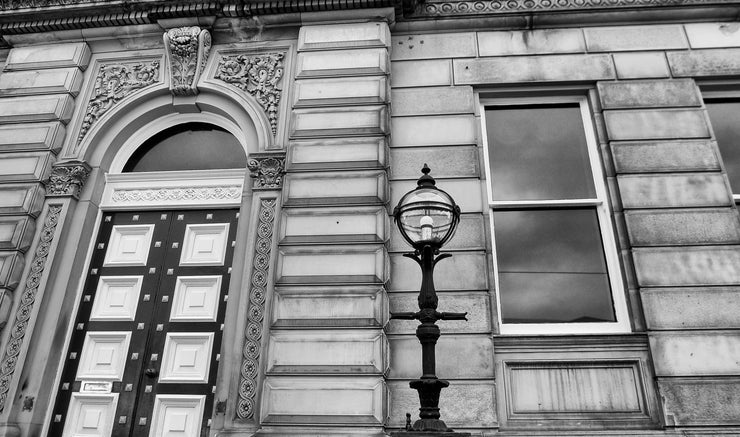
{"x":588,"y":143}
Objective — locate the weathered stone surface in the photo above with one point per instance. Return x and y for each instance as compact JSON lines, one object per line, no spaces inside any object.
{"x":36,"y":108}
{"x":716,"y":62}
{"x":62,"y":80}
{"x":332,"y":265}
{"x":656,"y":124}
{"x":532,"y":69}
{"x":435,"y":130}
{"x":344,"y":91}
{"x":344,"y":121}
{"x":432,"y":46}
{"x":16,"y":233}
{"x":700,"y":401}
{"x":11,"y":268}
{"x":664,"y":156}
{"x":345,"y":188}
{"x":477,"y":305}
{"x":49,"y":56}
{"x":691,"y":308}
{"x":462,"y":404}
{"x":421,"y":73}
{"x":342,"y":63}
{"x":447,"y":162}
{"x":467,"y":192}
{"x":464,"y":271}
{"x":460,"y":356}
{"x":625,"y":38}
{"x":530,"y":42}
{"x":679,"y":227}
{"x":25,"y":166}
{"x":470,"y":235}
{"x":674,"y":190}
{"x":641,"y":65}
{"x":431,"y":101}
{"x":648,"y":93}
{"x":21,"y":199}
{"x":354,"y":35}
{"x":687,"y":266}
{"x":704,"y":353}
{"x":341,"y":153}
{"x":708,"y":35}
{"x":330,"y":307}
{"x":322,"y":225}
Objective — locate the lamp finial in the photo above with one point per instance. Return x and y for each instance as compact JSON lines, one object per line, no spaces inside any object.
{"x":426,"y":180}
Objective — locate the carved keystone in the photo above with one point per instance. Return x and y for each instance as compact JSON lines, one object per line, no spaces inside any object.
{"x":187,"y":50}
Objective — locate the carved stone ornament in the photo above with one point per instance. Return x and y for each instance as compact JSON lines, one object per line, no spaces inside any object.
{"x":67,"y":179}
{"x":259,"y":75}
{"x":267,"y":170}
{"x":112,"y":84}
{"x":256,"y":311}
{"x":187,"y":50}
{"x":27,"y":302}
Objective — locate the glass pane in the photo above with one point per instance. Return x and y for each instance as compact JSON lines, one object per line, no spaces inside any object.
{"x":725,"y":118}
{"x":551,"y":266}
{"x":538,"y":153}
{"x":192,"y":146}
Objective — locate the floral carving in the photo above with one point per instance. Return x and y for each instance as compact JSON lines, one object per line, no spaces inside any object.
{"x":67,"y":179}
{"x":255,"y":312}
{"x":113,"y":83}
{"x":174,"y":194}
{"x":27,"y":301}
{"x":259,"y":75}
{"x":267,"y":170}
{"x":187,"y":50}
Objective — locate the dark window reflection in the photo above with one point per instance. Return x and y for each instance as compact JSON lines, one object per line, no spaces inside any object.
{"x":725,"y":118}
{"x":191,"y":146}
{"x":552,"y":266}
{"x":538,"y":153}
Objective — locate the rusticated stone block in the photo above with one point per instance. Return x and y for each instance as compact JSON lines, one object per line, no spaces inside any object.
{"x":708,"y":35}
{"x":687,"y":266}
{"x":342,"y":63}
{"x":421,"y":73}
{"x":656,"y":124}
{"x":25,"y":166}
{"x":433,"y":46}
{"x":532,"y":69}
{"x":332,"y":265}
{"x":354,"y":35}
{"x":691,"y":308}
{"x":648,"y":93}
{"x":674,"y":190}
{"x":11,"y":268}
{"x":701,"y":401}
{"x":330,"y":307}
{"x":336,"y":188}
{"x":21,"y":199}
{"x":682,"y":227}
{"x":447,"y":162}
{"x":62,"y":80}
{"x":464,"y":271}
{"x":627,"y":38}
{"x":460,"y":356}
{"x":688,"y":353}
{"x":462,"y":404}
{"x":641,"y":65}
{"x":470,"y":235}
{"x":342,"y":153}
{"x":718,"y":62}
{"x":36,"y":108}
{"x":324,"y":225}
{"x":477,"y":305}
{"x":49,"y":56}
{"x":435,"y":130}
{"x":432,"y":101}
{"x":343,"y":91}
{"x":16,"y":233}
{"x":333,"y":122}
{"x":664,"y":156}
{"x":530,"y":42}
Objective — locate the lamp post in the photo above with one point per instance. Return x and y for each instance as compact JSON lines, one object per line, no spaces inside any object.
{"x":427,"y":218}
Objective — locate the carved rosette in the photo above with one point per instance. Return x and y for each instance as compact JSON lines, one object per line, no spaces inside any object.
{"x":255,"y":312}
{"x":27,"y":302}
{"x":112,"y":84}
{"x":67,"y":179}
{"x":267,"y":170}
{"x":259,"y":75}
{"x":187,"y":50}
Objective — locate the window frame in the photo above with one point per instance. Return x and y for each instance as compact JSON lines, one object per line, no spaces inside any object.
{"x":730,"y":94}
{"x":600,"y":203}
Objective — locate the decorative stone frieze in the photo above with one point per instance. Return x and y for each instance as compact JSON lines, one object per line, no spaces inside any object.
{"x":168,"y":194}
{"x":113,"y":83}
{"x":67,"y":179}
{"x":27,"y":301}
{"x":257,"y":74}
{"x":256,"y":311}
{"x":187,"y":50}
{"x":267,"y":170}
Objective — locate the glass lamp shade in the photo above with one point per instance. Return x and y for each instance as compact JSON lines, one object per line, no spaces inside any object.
{"x":427,"y":215}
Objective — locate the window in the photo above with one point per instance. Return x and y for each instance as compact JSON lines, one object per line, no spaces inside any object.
{"x":724,"y":114}
{"x":557,"y":269}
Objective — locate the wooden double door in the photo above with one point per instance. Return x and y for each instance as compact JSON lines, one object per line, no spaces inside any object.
{"x":145,"y":344}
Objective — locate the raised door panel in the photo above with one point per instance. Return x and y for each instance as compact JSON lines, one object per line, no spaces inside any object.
{"x":91,"y":415}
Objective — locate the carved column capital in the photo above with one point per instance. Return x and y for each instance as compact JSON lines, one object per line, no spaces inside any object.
{"x":67,"y":179}
{"x":187,"y":50}
{"x":267,"y":169}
